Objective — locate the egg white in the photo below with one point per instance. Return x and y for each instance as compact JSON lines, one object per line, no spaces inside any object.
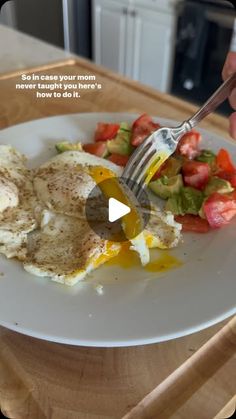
{"x":17,"y":203}
{"x":66,"y":249}
{"x":63,"y":185}
{"x":162,"y":231}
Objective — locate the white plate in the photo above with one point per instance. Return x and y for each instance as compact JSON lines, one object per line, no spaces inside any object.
{"x":137,"y":308}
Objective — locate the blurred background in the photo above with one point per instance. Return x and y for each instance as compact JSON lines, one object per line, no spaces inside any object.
{"x":174,"y":46}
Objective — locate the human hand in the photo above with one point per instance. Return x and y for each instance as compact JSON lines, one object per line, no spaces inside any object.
{"x":228,"y":69}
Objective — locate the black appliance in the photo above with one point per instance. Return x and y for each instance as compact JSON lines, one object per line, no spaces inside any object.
{"x":204,"y":36}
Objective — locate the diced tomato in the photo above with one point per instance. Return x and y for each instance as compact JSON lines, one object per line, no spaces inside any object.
{"x":226,"y":167}
{"x":119,"y":159}
{"x":144,"y":120}
{"x":219,"y":208}
{"x":189,"y":144}
{"x":193,"y":223}
{"x":98,"y":149}
{"x":141,"y":128}
{"x":230,"y":176}
{"x":224,"y":161}
{"x":233,"y":195}
{"x":196,"y":174}
{"x":106,"y":131}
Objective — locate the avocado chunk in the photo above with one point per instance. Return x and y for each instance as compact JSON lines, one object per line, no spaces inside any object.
{"x":66,"y":146}
{"x":187,"y":201}
{"x":165,"y":187}
{"x":175,"y":205}
{"x":172,"y":167}
{"x":121,"y":144}
{"x":217,"y":184}
{"x":206,"y":156}
{"x":192,"y":200}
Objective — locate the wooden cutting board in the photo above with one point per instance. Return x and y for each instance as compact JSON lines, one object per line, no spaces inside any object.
{"x":174,"y":379}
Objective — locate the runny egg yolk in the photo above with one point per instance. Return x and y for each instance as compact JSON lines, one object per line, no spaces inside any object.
{"x":132,"y":222}
{"x":127,"y":258}
{"x":160,"y":159}
{"x":111,"y":252}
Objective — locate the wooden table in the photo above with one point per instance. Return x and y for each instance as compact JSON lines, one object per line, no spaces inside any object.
{"x":192,"y":376}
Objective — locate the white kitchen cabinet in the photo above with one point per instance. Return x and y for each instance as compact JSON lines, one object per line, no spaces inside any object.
{"x":109,"y":34}
{"x":135,"y":40}
{"x":153,"y":48}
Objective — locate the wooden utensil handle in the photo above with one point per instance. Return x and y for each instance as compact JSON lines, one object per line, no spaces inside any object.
{"x":175,"y":390}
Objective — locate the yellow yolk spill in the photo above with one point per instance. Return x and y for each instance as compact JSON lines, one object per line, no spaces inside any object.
{"x":160,"y":159}
{"x":149,"y":240}
{"x":163,"y":263}
{"x":127,"y":258}
{"x":132,"y":222}
{"x":111,"y":252}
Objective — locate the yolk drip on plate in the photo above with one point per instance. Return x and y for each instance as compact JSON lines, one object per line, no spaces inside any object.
{"x":163,"y":263}
{"x":127,"y":258}
{"x":132,"y":222}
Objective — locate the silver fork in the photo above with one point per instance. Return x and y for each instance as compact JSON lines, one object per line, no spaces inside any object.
{"x":163,"y":142}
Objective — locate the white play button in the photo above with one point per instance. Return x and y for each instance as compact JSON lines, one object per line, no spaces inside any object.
{"x":116,"y":209}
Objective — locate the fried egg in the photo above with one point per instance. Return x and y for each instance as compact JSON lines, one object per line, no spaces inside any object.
{"x":43,"y":218}
{"x":17,"y":203}
{"x":162,"y":231}
{"x":66,"y":249}
{"x":63,"y":185}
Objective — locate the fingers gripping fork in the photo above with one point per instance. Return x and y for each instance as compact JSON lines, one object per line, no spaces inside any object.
{"x":150,"y":155}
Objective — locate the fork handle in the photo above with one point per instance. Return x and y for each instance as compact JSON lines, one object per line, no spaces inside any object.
{"x":214,"y":101}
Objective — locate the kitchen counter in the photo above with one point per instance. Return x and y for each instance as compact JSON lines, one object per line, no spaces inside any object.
{"x":193,"y":376}
{"x":18,"y":51}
